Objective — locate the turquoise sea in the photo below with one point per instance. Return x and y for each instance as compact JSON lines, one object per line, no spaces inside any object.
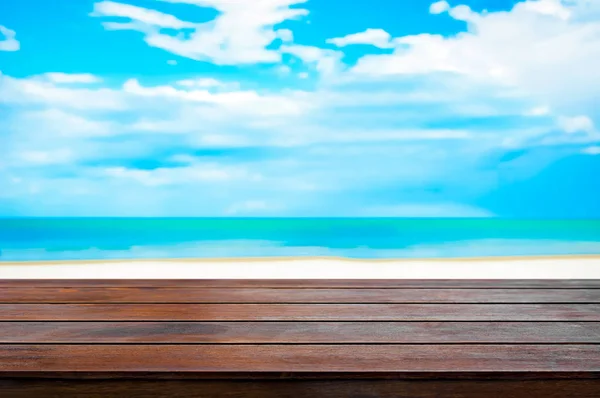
{"x":127,"y":238}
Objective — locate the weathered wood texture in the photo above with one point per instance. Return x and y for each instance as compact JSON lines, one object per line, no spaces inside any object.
{"x":304,"y":312}
{"x":350,"y":338}
{"x":283,"y":295}
{"x":300,"y":358}
{"x":301,"y":332}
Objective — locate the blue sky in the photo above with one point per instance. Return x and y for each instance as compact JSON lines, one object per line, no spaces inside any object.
{"x":481,"y":108}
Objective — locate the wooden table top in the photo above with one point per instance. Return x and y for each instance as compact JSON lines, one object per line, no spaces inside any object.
{"x":299,"y":326}
{"x":248,"y":329}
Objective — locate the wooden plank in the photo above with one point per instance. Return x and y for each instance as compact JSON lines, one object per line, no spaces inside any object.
{"x":305,"y":312}
{"x":313,"y":283}
{"x":265,"y":295}
{"x":300,"y":332}
{"x":299,"y":358}
{"x":491,"y":388}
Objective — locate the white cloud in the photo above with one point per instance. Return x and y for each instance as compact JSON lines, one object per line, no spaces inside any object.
{"x":464,"y":13}
{"x":375,"y":37}
{"x":142,"y":18}
{"x":8,"y":41}
{"x":240,"y":34}
{"x":66,"y":78}
{"x":58,"y":124}
{"x":310,"y":135}
{"x":538,"y":111}
{"x":241,"y":102}
{"x":218,"y":97}
{"x":439,"y":7}
{"x":286,"y":35}
{"x":133,"y":86}
{"x":576,"y":124}
{"x":592,"y":150}
{"x":554,"y":8}
{"x":172,"y":62}
{"x":46,"y":157}
{"x":206,"y":82}
{"x":44,"y":120}
{"x":327,"y":62}
{"x":546,"y":50}
{"x":181,"y":175}
{"x":42,"y":91}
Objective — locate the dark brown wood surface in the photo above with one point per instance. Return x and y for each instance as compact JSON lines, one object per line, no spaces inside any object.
{"x":302,"y":312}
{"x":301,"y":332}
{"x":350,"y":388}
{"x":369,"y":338}
{"x":28,"y":294}
{"x":300,"y":358}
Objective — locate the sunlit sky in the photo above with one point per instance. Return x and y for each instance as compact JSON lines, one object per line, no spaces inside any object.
{"x":400,"y":108}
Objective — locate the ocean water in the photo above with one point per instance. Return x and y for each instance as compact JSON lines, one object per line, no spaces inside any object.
{"x":123,"y":238}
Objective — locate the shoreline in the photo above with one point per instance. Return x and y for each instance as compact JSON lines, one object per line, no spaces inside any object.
{"x":308,"y":258}
{"x":530,"y":267}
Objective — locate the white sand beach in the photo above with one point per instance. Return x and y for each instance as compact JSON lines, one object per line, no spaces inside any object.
{"x":564,"y":267}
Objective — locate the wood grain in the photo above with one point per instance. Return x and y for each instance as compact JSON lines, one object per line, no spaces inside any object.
{"x":300,"y":358}
{"x":27,"y":294}
{"x":547,"y":388}
{"x":299,"y":312}
{"x":300,"y":338}
{"x":300,"y":332}
{"x":313,"y":283}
